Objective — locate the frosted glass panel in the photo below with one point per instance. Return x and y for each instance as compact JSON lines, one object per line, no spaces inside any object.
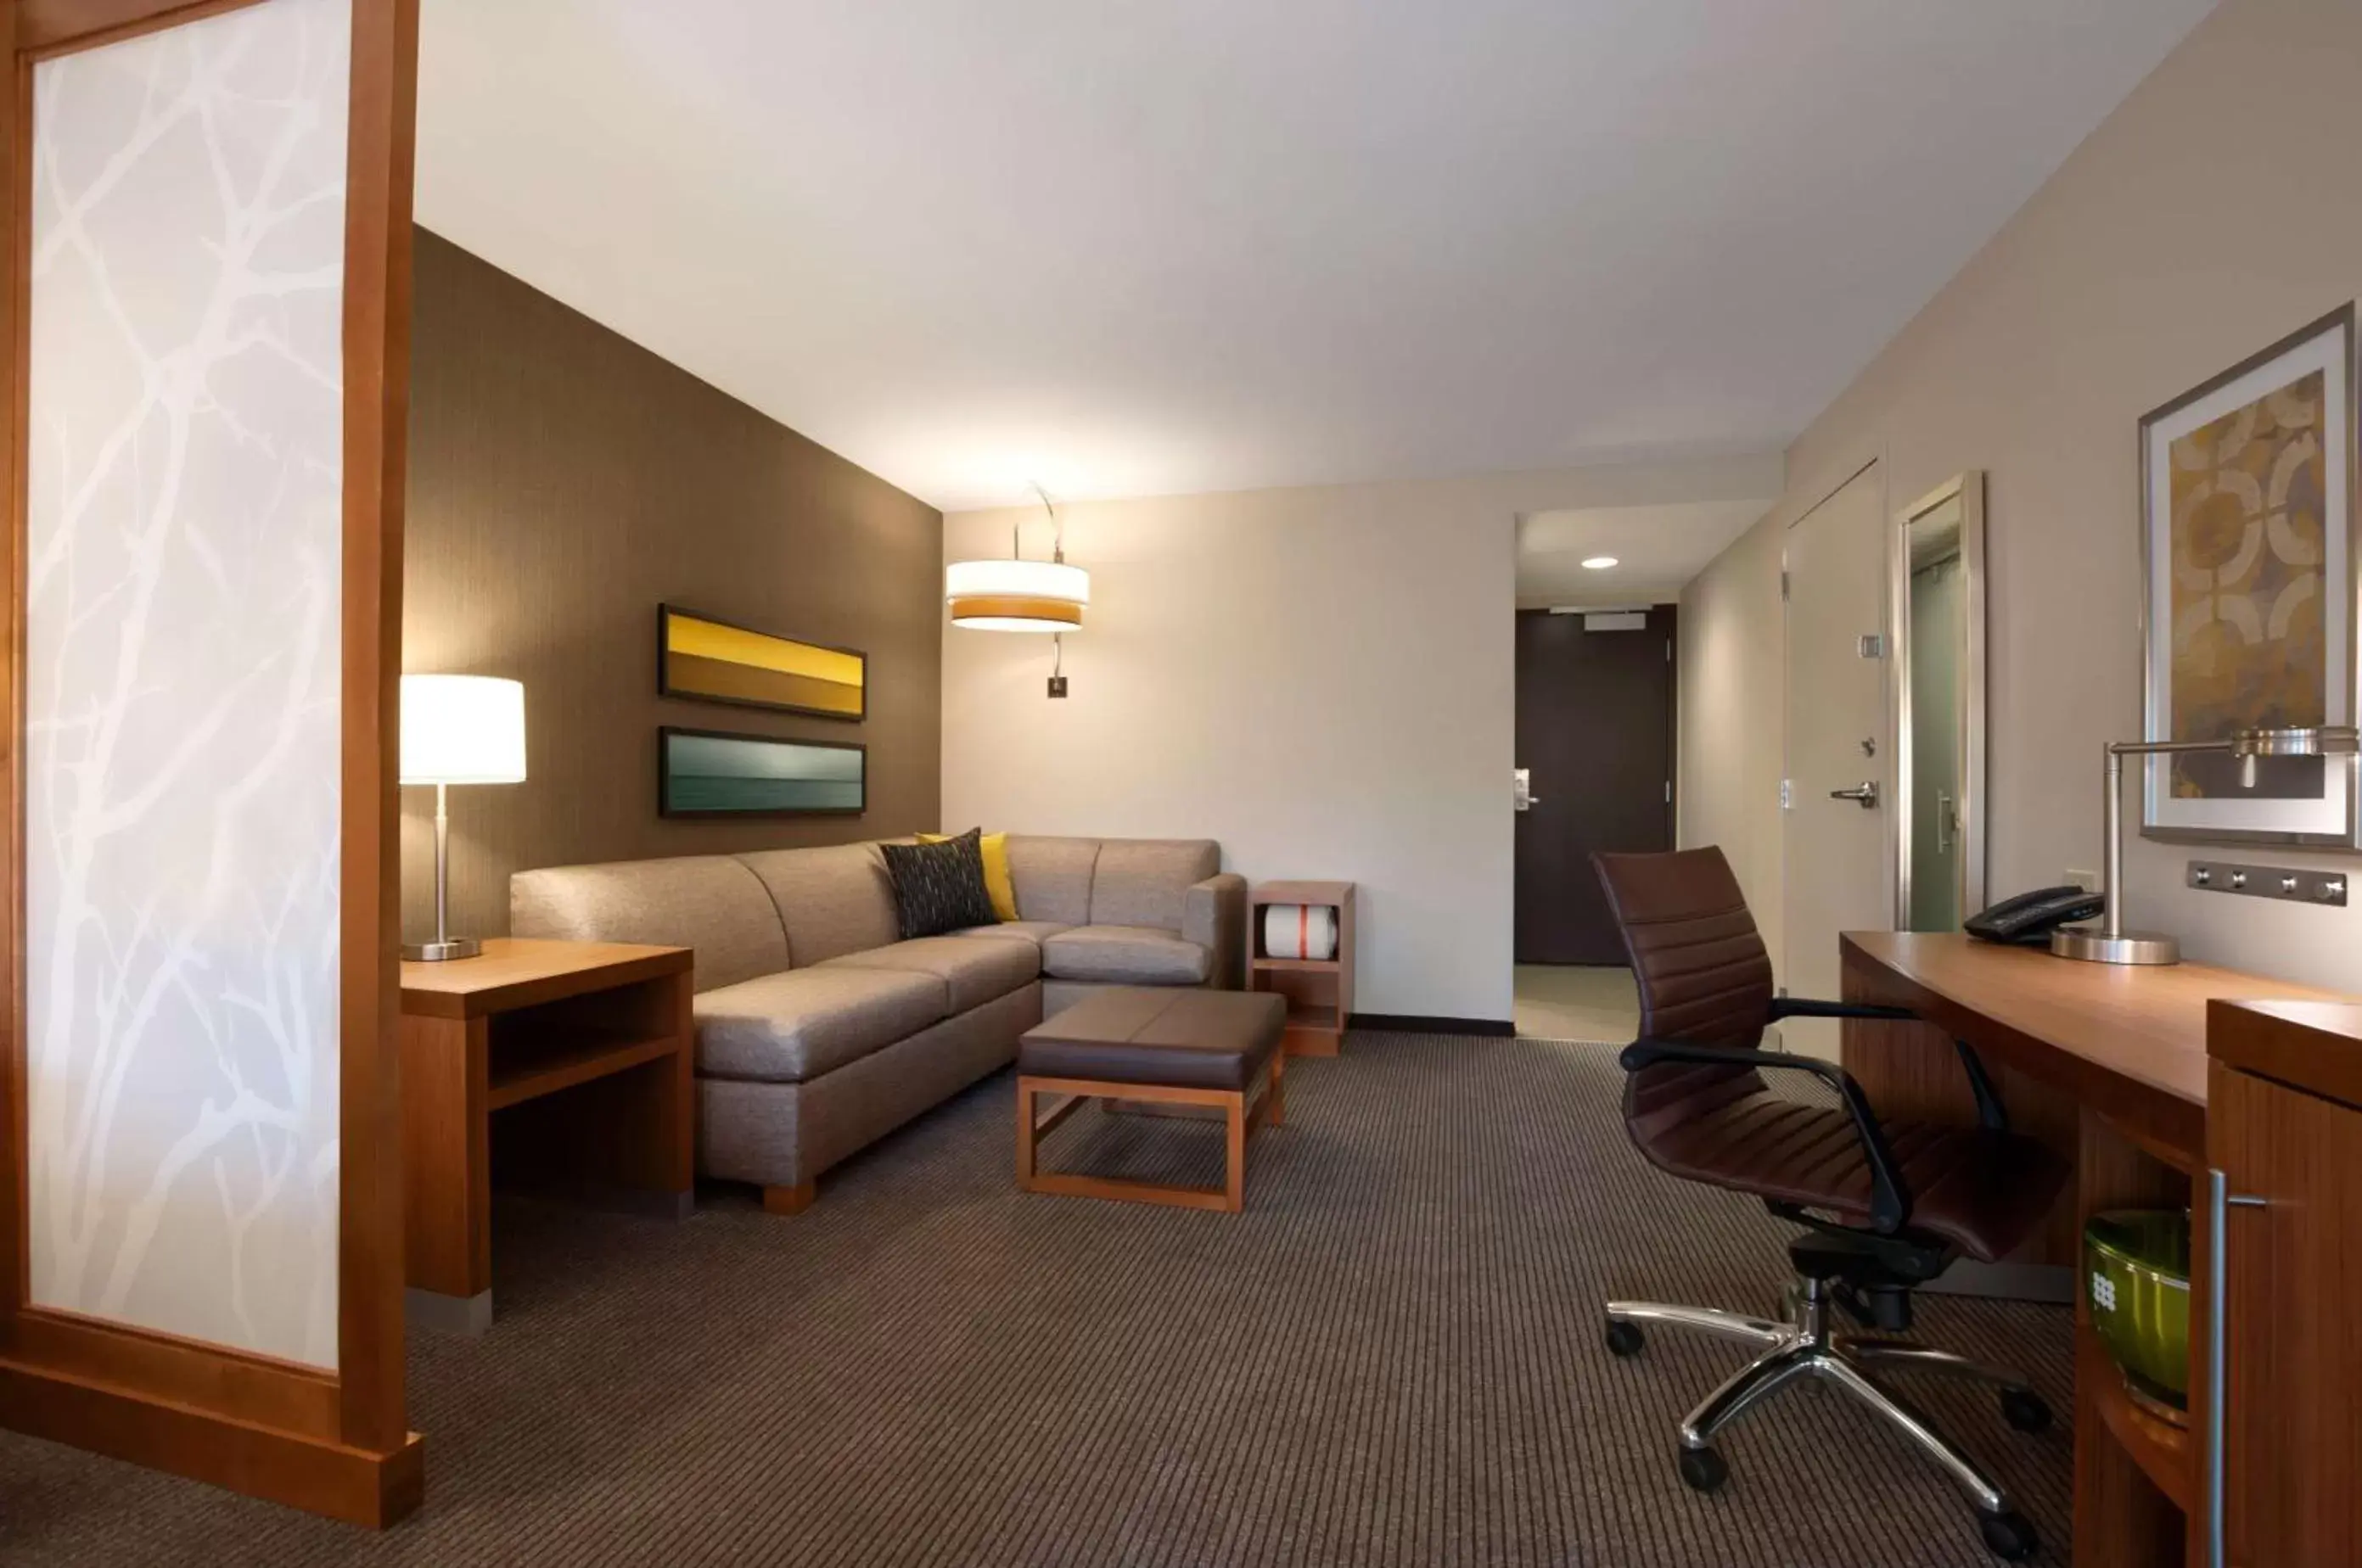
{"x":181,"y":677}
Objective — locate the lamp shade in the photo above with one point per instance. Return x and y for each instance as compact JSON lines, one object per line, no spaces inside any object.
{"x":2321,"y":741}
{"x":1017,"y":595}
{"x":462,"y":729}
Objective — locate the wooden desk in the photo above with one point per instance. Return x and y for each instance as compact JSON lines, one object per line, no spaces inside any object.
{"x":2284,"y":1127}
{"x":2107,"y":1064}
{"x":505,"y":1032}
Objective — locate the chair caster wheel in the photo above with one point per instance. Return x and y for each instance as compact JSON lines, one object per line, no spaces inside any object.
{"x":2024,"y":1408}
{"x":1624,"y":1339}
{"x":1704,"y":1471}
{"x":2008,"y":1536}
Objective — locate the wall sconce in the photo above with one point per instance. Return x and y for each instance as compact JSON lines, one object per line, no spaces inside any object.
{"x":1017,"y":594}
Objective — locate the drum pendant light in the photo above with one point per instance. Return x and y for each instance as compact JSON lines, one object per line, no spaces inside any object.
{"x":1017,"y":594}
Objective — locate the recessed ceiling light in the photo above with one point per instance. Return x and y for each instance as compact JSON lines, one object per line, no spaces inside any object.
{"x":1598,"y":562}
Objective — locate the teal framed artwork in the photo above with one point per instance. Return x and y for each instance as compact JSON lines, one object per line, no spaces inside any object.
{"x":713,"y":772}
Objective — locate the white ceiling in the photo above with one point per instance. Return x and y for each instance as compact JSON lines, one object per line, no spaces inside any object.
{"x":1174,"y":245}
{"x":1656,"y":550}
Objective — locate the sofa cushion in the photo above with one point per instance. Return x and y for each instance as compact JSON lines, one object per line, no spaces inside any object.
{"x":1131,"y":955}
{"x":833,"y":900}
{"x":799,"y":1024}
{"x":1052,"y":877}
{"x":1031,"y":932}
{"x":1183,"y":1039}
{"x":995,"y":850}
{"x":973,"y":973}
{"x":1146,"y":882}
{"x":708,"y":904}
{"x":938,"y":887}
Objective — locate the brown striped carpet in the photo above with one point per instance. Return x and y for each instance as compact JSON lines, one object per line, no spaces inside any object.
{"x":1393,"y":1357}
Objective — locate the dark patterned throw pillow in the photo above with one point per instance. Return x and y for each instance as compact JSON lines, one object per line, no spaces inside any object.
{"x":939,"y":887}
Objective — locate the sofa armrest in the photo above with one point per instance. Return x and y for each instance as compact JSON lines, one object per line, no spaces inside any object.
{"x":1214,"y":915}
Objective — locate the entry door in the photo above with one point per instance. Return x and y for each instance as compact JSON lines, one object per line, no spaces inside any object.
{"x":1596,"y":738}
{"x":1836,"y":847}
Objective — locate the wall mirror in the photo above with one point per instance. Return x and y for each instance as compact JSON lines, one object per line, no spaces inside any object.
{"x":1938,"y":553}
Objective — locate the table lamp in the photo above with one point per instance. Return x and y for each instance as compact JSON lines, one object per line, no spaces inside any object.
{"x":457,"y":729}
{"x":2108,"y":942}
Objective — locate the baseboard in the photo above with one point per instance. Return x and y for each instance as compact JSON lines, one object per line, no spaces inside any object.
{"x":1413,"y":1023}
{"x":468,"y":1317}
{"x":317,"y":1474}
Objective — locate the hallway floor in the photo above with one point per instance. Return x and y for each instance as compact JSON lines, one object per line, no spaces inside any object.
{"x":1566,"y":1001}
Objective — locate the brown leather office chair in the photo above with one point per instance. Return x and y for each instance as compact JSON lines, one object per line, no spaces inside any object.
{"x":1885,"y":1207}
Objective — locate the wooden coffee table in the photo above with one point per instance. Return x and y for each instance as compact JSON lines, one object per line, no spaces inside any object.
{"x":1173,"y":1046}
{"x":587,"y":1049}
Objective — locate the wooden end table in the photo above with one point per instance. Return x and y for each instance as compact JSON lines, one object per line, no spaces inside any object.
{"x":1319,"y":992}
{"x":589,"y":1046}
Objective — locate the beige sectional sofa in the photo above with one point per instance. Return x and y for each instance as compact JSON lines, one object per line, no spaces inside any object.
{"x":819,"y":1030}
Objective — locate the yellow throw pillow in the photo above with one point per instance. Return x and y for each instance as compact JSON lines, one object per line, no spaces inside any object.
{"x":995,"y":870}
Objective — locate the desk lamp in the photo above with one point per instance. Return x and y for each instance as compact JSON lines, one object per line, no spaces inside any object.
{"x":2108,"y":942}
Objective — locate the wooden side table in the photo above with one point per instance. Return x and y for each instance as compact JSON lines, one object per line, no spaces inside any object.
{"x":588,"y":1046}
{"x":1319,"y":992}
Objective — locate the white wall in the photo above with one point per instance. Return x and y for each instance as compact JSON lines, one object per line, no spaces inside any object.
{"x":1732,"y":720}
{"x":2213,"y":212}
{"x":1319,"y":678}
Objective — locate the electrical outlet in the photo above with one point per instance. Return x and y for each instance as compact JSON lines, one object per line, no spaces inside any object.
{"x":2088,"y":881}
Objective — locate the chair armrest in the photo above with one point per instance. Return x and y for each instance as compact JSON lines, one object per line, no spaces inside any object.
{"x":1991,"y":1114}
{"x":1889,"y":1200}
{"x":1214,"y":915}
{"x":1806,"y":1007}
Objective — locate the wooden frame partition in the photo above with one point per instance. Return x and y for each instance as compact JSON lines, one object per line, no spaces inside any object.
{"x":333,"y":1441}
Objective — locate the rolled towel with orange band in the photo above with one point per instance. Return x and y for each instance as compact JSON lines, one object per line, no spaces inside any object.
{"x":1299,"y":931}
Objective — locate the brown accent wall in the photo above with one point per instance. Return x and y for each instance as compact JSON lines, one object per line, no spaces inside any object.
{"x":563,"y":482}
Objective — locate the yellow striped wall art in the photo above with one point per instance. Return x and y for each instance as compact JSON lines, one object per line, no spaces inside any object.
{"x":713,"y":661}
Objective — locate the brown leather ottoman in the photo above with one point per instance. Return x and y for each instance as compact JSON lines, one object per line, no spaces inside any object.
{"x":1161,"y":1045}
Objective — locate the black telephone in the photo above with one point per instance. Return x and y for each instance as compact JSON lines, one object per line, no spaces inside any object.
{"x":2030,"y":917}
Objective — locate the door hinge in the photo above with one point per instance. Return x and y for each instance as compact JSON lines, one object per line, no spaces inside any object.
{"x":1669,"y":792}
{"x":1783,"y":585}
{"x":1668,"y":650}
{"x":1787,"y":794}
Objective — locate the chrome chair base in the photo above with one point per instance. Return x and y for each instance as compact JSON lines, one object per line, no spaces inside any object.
{"x":1810,"y":1348}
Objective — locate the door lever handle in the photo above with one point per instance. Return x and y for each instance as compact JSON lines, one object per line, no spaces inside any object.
{"x":1866,"y":793}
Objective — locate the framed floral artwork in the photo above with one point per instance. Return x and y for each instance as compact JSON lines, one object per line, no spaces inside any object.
{"x":2247,"y":543}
